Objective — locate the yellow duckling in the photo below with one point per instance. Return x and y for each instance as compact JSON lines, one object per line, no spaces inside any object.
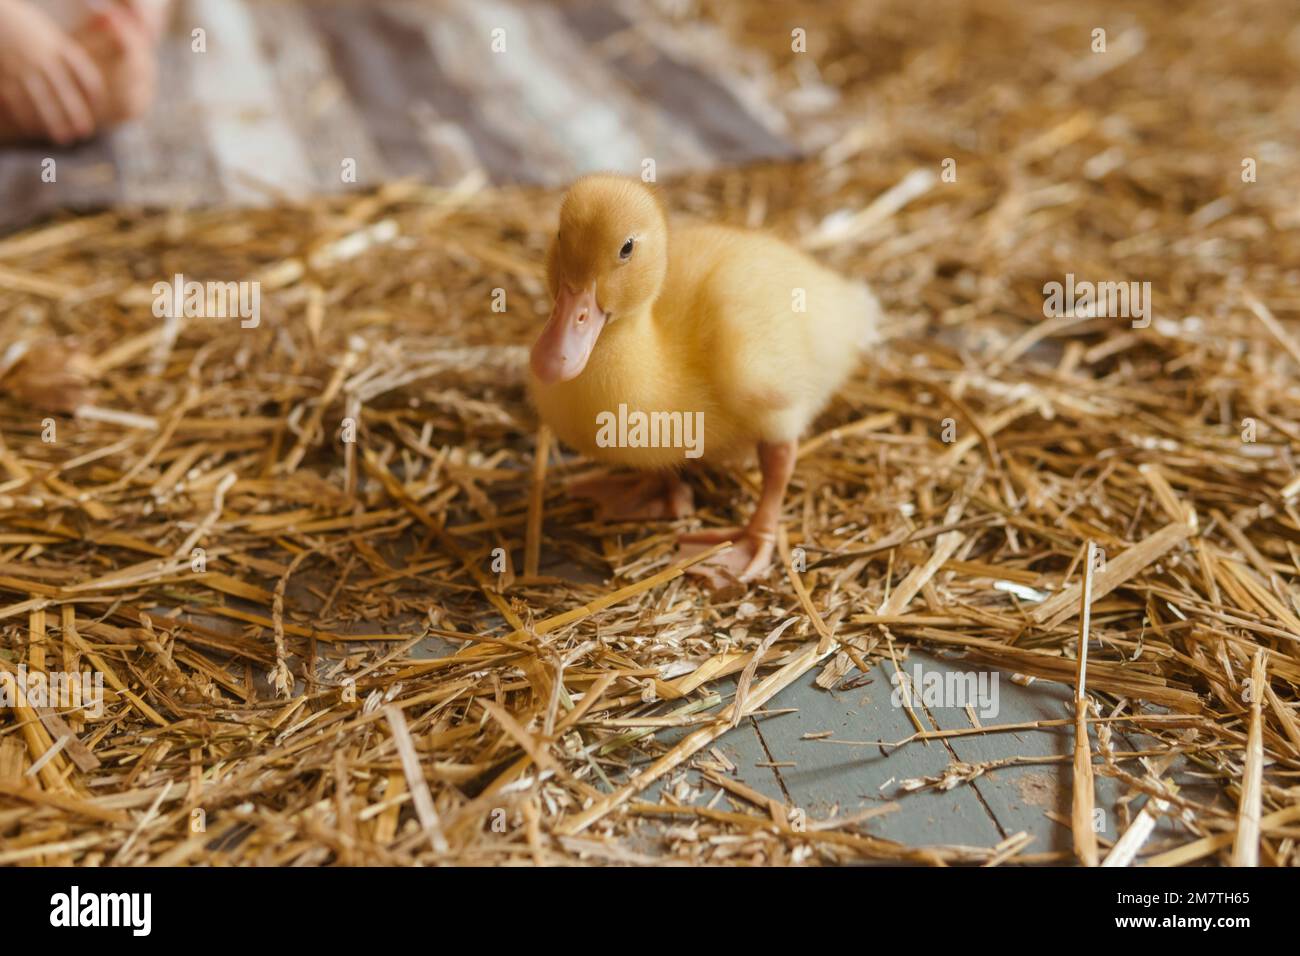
{"x":706,"y":342}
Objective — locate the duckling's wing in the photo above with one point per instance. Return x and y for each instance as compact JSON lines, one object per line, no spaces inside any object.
{"x":783,"y":333}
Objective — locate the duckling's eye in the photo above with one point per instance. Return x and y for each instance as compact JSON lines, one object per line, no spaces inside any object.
{"x":626,"y":252}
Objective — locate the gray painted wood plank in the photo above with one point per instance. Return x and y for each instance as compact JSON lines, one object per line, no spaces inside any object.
{"x":81,"y":173}
{"x":1020,"y":796}
{"x":25,"y":197}
{"x":377,"y":57}
{"x":829,"y":779}
{"x":1017,"y":796}
{"x":647,"y":130}
{"x":322,"y":114}
{"x":716,"y":117}
{"x":164,"y":159}
{"x":506,"y":114}
{"x":254,"y":147}
{"x":565,"y":94}
{"x":740,"y":745}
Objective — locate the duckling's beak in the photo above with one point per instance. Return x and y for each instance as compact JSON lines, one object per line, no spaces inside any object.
{"x":562,"y":350}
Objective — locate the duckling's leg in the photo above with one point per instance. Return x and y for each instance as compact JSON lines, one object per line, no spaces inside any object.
{"x":637,"y":497}
{"x":754,"y":543}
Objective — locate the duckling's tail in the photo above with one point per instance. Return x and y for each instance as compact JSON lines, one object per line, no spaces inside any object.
{"x":871,"y":327}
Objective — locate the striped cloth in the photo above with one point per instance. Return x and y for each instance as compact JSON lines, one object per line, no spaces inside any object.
{"x":309,"y":96}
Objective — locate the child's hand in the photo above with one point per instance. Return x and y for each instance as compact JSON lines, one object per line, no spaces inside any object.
{"x":121,"y":42}
{"x":152,"y":13}
{"x":50,"y":88}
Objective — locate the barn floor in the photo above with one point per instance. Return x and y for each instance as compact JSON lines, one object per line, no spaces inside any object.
{"x":344,"y":671}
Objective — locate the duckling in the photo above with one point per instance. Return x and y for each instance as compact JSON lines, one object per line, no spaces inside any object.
{"x":729,"y":328}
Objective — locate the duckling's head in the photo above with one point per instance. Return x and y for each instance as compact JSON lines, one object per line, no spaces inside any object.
{"x":607,"y":261}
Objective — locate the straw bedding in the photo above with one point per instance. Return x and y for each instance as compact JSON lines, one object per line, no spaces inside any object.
{"x":351,"y":679}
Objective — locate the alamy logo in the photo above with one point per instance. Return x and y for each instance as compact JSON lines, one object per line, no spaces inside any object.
{"x":978,"y":690}
{"x":651,"y":430}
{"x":103,"y":909}
{"x":55,"y":689}
{"x":209,"y":300}
{"x":1126,"y":300}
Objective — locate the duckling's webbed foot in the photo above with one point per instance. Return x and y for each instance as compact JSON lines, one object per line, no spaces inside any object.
{"x":636,"y":497}
{"x":749,"y":558}
{"x":751,"y":554}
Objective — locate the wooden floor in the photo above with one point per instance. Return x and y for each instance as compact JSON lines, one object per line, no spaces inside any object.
{"x":289,"y":95}
{"x":1026,"y":788}
{"x":1001,"y":784}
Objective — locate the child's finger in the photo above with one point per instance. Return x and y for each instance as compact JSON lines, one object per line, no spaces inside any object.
{"x":86,"y":73}
{"x":121,"y":28}
{"x":14,"y":99}
{"x":132,"y":10}
{"x":49,"y":117}
{"x":71,"y":102}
